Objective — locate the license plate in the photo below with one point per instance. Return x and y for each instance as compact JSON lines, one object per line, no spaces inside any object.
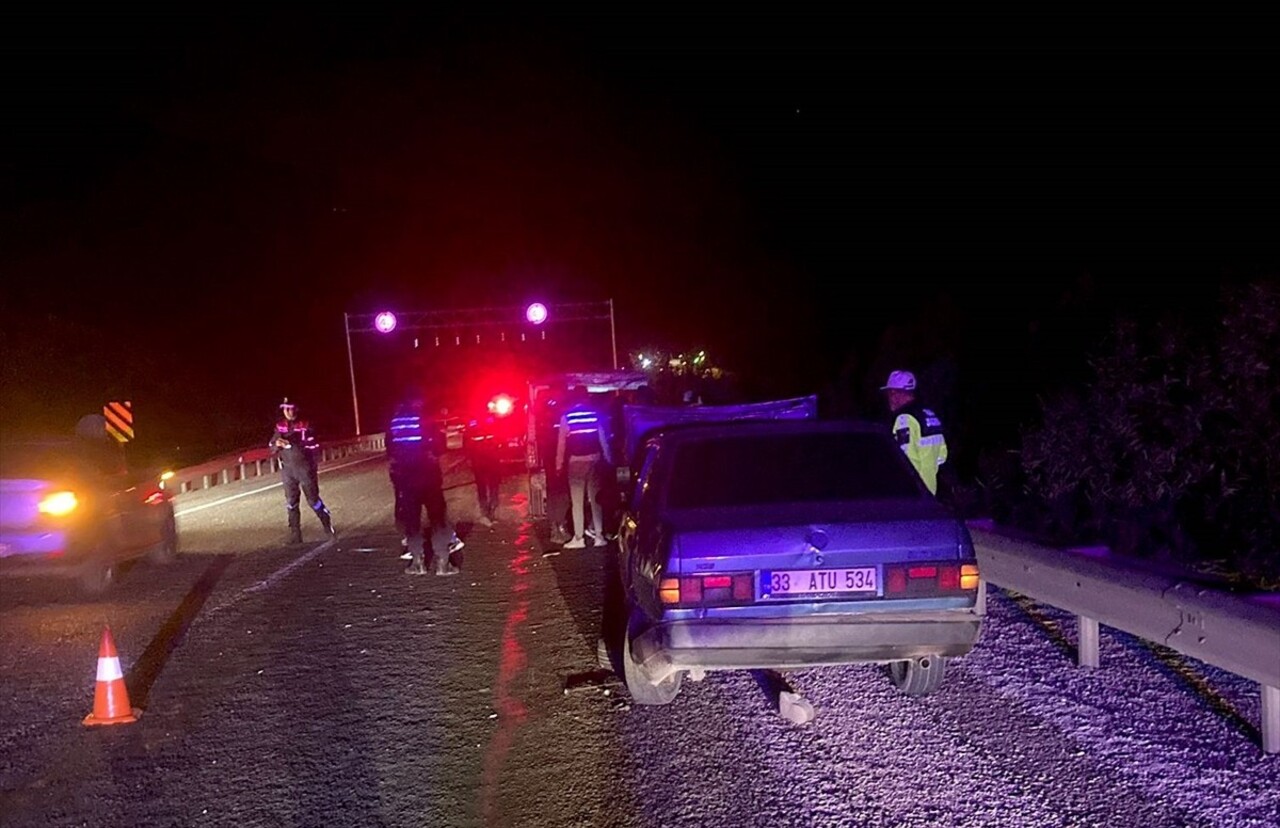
{"x":793,"y":583}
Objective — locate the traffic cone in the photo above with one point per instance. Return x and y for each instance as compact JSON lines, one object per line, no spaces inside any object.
{"x":110,"y":696}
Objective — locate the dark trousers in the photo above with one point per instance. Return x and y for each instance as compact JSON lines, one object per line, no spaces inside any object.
{"x":423,"y":489}
{"x":487,"y":469}
{"x":300,"y":480}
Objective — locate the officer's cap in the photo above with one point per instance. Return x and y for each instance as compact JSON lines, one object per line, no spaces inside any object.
{"x":900,"y":381}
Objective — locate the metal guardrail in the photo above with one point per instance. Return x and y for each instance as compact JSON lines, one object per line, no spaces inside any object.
{"x":1237,"y":633}
{"x":258,"y":462}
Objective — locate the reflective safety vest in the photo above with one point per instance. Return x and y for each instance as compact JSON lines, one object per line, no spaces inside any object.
{"x":409,"y":443}
{"x":582,"y":436}
{"x":919,"y":434}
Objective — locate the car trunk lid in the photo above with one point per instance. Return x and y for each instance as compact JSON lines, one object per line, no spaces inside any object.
{"x":838,"y":535}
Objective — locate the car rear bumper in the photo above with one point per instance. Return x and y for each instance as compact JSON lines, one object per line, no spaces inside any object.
{"x":738,"y":644}
{"x":38,"y":553}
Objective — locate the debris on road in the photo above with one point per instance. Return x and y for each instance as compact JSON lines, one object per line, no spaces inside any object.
{"x":795,"y":708}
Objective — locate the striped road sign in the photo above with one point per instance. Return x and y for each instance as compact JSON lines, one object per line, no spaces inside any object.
{"x":119,"y":420}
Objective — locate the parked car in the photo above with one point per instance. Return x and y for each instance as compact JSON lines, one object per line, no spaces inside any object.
{"x":787,"y":544}
{"x":71,"y":507}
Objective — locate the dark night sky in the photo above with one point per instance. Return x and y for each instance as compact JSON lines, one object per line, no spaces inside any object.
{"x":192,"y":202}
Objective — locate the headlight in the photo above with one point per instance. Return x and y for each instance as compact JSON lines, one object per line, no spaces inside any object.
{"x":58,"y":503}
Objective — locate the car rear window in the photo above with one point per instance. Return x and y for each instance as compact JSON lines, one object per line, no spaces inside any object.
{"x":753,"y":470}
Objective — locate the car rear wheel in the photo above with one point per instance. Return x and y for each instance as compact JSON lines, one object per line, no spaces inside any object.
{"x":97,"y":577}
{"x":918,"y":676}
{"x":166,"y":551}
{"x":641,"y":689}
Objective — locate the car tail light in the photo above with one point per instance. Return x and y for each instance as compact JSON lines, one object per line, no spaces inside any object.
{"x":154,"y":498}
{"x":909,"y":580}
{"x":58,"y":504}
{"x":711,"y":590}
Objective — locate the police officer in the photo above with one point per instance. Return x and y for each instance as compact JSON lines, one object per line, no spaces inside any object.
{"x":295,"y":444}
{"x":582,"y":444}
{"x":916,"y":428}
{"x":486,"y":465}
{"x":414,"y":447}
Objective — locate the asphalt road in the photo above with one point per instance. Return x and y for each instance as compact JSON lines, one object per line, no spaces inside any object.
{"x":320,"y":685}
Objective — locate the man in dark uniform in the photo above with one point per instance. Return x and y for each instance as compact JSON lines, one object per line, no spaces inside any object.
{"x":414,"y":447}
{"x":295,"y":445}
{"x":486,"y":465}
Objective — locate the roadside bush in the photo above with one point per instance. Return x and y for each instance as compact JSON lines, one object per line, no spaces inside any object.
{"x":1172,"y":450}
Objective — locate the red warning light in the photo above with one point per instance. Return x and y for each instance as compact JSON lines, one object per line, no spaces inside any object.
{"x":501,"y":405}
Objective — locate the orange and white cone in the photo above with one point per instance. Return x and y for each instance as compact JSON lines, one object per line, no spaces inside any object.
{"x":110,"y":696}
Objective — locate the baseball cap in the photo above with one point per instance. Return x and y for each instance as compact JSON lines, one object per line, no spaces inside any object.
{"x":900,"y":381}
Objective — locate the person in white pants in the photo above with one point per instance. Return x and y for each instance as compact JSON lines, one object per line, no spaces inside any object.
{"x":582,"y":444}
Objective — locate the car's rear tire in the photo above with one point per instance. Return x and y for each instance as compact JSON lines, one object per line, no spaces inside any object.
{"x":918,"y":676}
{"x":641,"y":689}
{"x":166,"y":551}
{"x":97,"y":577}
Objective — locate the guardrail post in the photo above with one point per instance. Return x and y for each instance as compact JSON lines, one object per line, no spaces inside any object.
{"x":184,"y":487}
{"x":206,"y":481}
{"x":1087,"y":648}
{"x":244,"y":470}
{"x":1270,"y":719}
{"x":226,"y":475}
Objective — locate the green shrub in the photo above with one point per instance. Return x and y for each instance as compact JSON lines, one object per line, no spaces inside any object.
{"x":1173,"y":448}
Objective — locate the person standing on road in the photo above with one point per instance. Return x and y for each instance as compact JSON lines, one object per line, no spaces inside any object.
{"x":581,"y":446}
{"x":486,"y":465}
{"x":557,"y":490}
{"x":295,"y":445}
{"x":413,"y":451}
{"x":916,"y":428}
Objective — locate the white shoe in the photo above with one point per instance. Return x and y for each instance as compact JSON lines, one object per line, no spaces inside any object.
{"x":599,"y":542}
{"x":576,"y":543}
{"x":455,"y":544}
{"x":485,"y":522}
